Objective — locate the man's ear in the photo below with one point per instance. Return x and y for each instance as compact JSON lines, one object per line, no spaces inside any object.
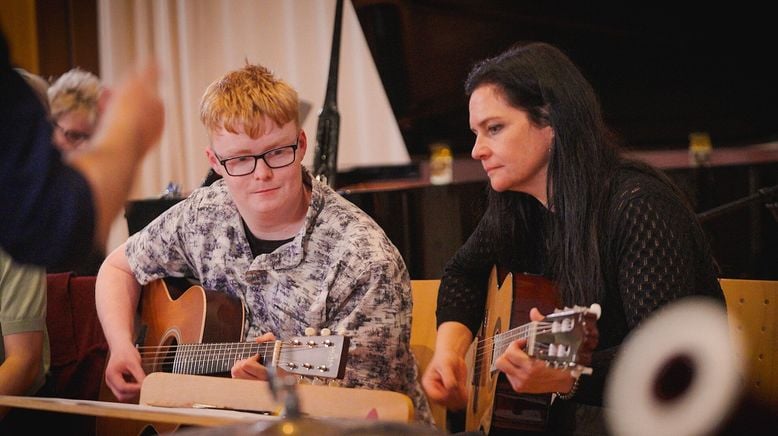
{"x":213,"y":161}
{"x":302,"y":145}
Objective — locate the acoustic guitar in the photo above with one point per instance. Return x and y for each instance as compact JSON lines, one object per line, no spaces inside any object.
{"x":186,"y":329}
{"x":564,"y":339}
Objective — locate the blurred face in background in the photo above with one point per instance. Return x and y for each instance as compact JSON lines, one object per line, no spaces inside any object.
{"x":73,"y":130}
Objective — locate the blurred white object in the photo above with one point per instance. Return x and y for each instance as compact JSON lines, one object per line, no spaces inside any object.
{"x":677,"y":374}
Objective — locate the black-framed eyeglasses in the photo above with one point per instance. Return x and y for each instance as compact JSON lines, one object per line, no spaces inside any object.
{"x":244,"y":165}
{"x":73,"y":136}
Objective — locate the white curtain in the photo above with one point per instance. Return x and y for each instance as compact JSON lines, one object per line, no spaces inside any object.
{"x":197,"y":41}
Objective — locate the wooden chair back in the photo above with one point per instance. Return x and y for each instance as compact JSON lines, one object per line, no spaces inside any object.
{"x":423,"y":333}
{"x":752,"y":309}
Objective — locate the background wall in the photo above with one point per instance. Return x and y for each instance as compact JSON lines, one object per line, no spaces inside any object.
{"x":662,"y":69}
{"x":661,"y":73}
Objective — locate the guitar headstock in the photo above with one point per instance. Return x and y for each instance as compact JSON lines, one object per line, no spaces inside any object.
{"x":322,"y":356}
{"x":566,"y":338}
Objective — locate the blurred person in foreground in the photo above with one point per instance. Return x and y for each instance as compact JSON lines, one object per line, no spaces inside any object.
{"x":54,"y":211}
{"x":24,"y":349}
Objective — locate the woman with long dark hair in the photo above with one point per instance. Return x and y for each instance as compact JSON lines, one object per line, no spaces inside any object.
{"x":565,"y":204}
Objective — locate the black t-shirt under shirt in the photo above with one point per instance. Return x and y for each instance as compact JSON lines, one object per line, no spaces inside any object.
{"x":262,"y":246}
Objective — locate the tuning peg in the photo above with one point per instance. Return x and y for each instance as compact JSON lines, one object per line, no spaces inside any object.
{"x":310,"y":331}
{"x":562,"y":325}
{"x":596,"y":310}
{"x":325,"y":332}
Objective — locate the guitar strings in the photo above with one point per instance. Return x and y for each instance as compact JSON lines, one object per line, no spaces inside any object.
{"x":252,"y":348}
{"x":171,"y":351}
{"x":194,"y":353}
{"x":502,"y":340}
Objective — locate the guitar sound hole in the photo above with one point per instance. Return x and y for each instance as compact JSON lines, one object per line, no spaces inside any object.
{"x":674,"y":378}
{"x":167,"y":356}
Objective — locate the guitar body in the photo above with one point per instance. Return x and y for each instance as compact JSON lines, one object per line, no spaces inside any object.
{"x":492,"y":403}
{"x":524,"y":411}
{"x":192,"y":316}
{"x":478,"y":415}
{"x":169,"y":315}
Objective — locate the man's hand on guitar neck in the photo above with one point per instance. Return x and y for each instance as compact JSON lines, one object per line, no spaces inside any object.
{"x":251,"y":368}
{"x":529,"y":375}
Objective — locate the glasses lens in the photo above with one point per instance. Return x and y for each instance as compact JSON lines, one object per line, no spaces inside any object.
{"x":75,"y":137}
{"x":243,"y":165}
{"x":240,"y":166}
{"x":280,"y":157}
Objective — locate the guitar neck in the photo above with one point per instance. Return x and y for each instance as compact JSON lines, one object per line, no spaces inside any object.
{"x":556,"y":339}
{"x":310,"y":356}
{"x":503,"y":340}
{"x":201,"y":359}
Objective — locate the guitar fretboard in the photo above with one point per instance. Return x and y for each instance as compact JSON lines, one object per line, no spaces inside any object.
{"x":503,"y":340}
{"x":215,"y":358}
{"x":314,"y":356}
{"x":553,"y":339}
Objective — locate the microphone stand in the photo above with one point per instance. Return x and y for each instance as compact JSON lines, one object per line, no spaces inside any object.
{"x":283,"y":389}
{"x":761,"y":194}
{"x":325,"y":159}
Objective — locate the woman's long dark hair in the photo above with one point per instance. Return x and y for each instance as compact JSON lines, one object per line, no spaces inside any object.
{"x":541,"y":80}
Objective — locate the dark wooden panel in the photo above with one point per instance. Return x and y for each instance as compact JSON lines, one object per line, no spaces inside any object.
{"x":660,"y":74}
{"x":53,"y":37}
{"x":67,"y":36}
{"x":85,"y":46}
{"x":427,"y":222}
{"x":744,"y":240}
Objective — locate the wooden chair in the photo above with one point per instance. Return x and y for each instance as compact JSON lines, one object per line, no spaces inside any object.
{"x":423,"y":333}
{"x":752,"y":309}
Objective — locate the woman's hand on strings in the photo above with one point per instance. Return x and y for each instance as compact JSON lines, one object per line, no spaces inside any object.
{"x":529,"y":375}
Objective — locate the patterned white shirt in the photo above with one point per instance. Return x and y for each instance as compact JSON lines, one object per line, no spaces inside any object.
{"x":340,"y":272}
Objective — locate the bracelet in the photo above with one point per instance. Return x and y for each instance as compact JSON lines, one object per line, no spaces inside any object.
{"x":570,"y":394}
